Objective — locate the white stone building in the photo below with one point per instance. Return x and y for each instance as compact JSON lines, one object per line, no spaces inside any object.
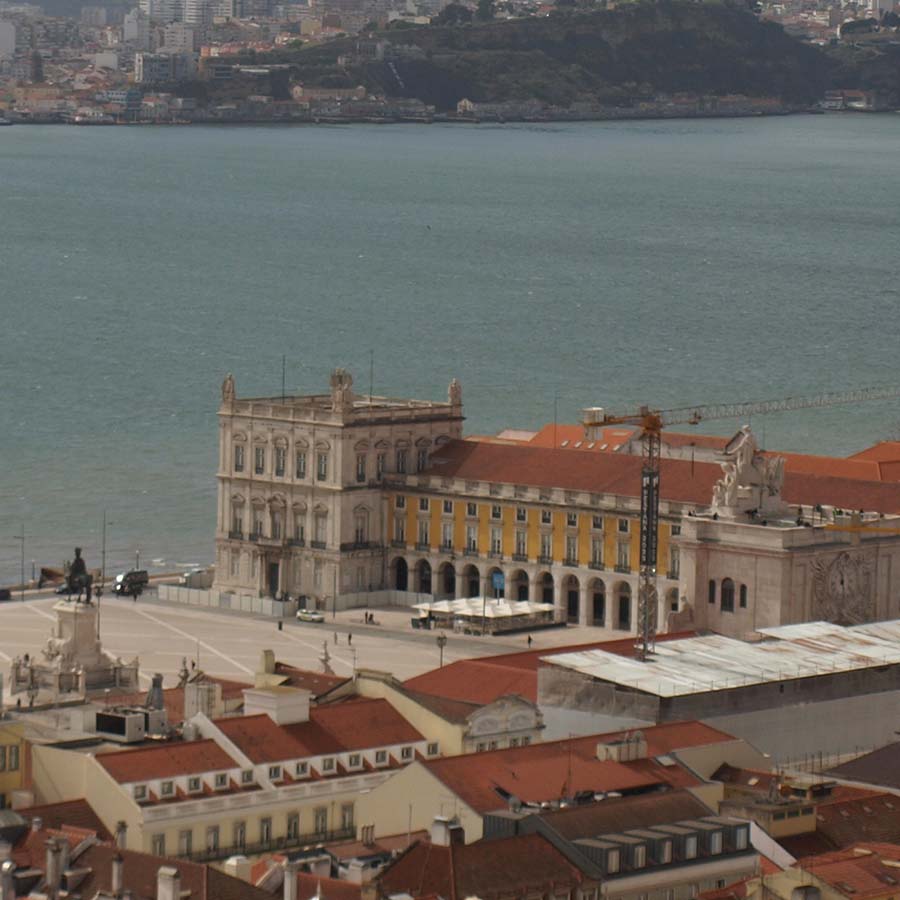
{"x":301,"y":505}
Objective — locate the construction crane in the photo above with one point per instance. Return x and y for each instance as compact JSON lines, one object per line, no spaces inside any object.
{"x":652,"y":422}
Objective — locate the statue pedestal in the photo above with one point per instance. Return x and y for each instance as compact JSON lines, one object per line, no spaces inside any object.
{"x":74,"y":660}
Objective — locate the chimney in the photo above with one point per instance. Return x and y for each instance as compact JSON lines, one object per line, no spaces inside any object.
{"x":284,"y":706}
{"x":445,"y":832}
{"x":118,"y":875}
{"x":7,"y":881}
{"x":238,"y":867}
{"x":64,"y":853}
{"x":121,"y":834}
{"x":168,"y":884}
{"x":155,"y":694}
{"x":52,"y":872}
{"x":37,"y":823}
{"x":290,"y":879}
{"x":267,"y":662}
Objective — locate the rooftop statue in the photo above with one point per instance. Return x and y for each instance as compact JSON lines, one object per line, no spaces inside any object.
{"x":228,"y":388}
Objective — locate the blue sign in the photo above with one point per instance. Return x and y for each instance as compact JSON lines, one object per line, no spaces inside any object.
{"x":498,"y":581}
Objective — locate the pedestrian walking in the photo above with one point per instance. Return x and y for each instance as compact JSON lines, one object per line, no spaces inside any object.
{"x":335,"y":637}
{"x":349,"y":639}
{"x":530,"y":641}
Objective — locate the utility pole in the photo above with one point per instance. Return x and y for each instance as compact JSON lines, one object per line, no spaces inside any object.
{"x":21,"y":537}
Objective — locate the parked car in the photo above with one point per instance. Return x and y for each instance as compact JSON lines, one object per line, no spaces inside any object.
{"x":127,"y":583}
{"x":5,"y":594}
{"x":310,"y":615}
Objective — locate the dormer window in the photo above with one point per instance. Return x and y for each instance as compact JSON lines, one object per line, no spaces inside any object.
{"x":140,"y":792}
{"x":300,"y":769}
{"x":380,"y":757}
{"x":194,"y":783}
{"x":354,"y":760}
{"x":221,"y":780}
{"x":400,"y":502}
{"x":665,"y":852}
{"x":740,"y":839}
{"x":612,"y":862}
{"x":167,"y":788}
{"x":433,"y":749}
{"x":690,"y":846}
{"x":275,"y":772}
{"x":715,"y":842}
{"x":640,"y":857}
{"x":247,"y":776}
{"x":406,"y":753}
{"x":328,"y":764}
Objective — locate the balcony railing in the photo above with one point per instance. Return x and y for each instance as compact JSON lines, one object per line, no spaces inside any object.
{"x":254,"y":536}
{"x":570,"y":561}
{"x":283,"y":843}
{"x":360,"y":545}
{"x":625,"y":570}
{"x":596,"y":565}
{"x":673,"y":574}
{"x":423,"y":545}
{"x":520,"y":557}
{"x":401,"y":545}
{"x":470,"y":551}
{"x":296,"y":542}
{"x":236,"y":535}
{"x":317,"y":545}
{"x":496,"y":554}
{"x":545,"y":560}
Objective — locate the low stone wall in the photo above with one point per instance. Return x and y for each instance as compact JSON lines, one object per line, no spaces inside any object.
{"x":266,"y":606}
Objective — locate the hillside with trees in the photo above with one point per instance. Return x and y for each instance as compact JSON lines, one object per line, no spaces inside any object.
{"x":613,"y":56}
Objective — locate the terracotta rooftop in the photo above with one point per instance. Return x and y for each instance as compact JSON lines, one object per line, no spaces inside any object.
{"x":870,"y":818}
{"x":516,"y":866}
{"x":880,"y":767}
{"x":317,"y":683}
{"x":555,"y":769}
{"x":75,"y":813}
{"x":618,"y":814}
{"x":354,"y":725}
{"x":483,"y":680}
{"x":680,"y":480}
{"x":309,"y":886}
{"x":139,"y":869}
{"x":173,"y":698}
{"x":864,"y":871}
{"x":165,"y":761}
{"x":883,"y":451}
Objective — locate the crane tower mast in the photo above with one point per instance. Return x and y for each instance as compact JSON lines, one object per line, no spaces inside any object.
{"x":651,"y":422}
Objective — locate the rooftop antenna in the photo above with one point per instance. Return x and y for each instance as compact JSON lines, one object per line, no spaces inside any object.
{"x":555,"y":402}
{"x":283,"y":362}
{"x":371,"y":375}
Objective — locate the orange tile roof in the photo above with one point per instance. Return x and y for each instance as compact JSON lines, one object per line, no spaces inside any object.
{"x":355,"y":725}
{"x":326,"y":888}
{"x":617,"y":474}
{"x":165,"y":761}
{"x":883,"y":451}
{"x":173,"y":698}
{"x":317,"y":683}
{"x":554,"y":769}
{"x":485,"y":679}
{"x":72,"y":813}
{"x":505,"y":867}
{"x":859,"y":870}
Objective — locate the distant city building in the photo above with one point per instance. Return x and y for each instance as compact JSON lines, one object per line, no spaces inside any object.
{"x":163,"y":68}
{"x":93,"y":15}
{"x":7,"y":39}
{"x":178,"y":38}
{"x":136,"y":29}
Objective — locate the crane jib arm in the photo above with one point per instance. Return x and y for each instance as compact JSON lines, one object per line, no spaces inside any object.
{"x":649,"y":516}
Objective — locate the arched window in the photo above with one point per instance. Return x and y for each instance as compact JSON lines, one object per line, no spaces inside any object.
{"x":743,"y":596}
{"x":727,"y":600}
{"x":712,"y":590}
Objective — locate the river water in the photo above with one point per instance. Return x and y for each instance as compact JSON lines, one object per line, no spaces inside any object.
{"x":600,"y":264}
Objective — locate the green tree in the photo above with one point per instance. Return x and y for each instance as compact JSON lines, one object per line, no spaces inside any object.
{"x":453,"y":14}
{"x":485,"y":11}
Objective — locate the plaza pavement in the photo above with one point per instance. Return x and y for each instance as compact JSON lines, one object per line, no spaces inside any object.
{"x":229,"y":644}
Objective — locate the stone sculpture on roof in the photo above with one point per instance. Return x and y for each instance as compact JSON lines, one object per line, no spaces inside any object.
{"x":751,"y":482}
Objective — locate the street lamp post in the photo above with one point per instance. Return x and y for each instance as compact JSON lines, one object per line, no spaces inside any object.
{"x":21,"y":537}
{"x":99,"y":592}
{"x":441,"y":642}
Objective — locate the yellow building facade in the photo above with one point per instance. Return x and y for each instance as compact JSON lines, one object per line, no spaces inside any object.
{"x":554,"y":546}
{"x":14,"y":763}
